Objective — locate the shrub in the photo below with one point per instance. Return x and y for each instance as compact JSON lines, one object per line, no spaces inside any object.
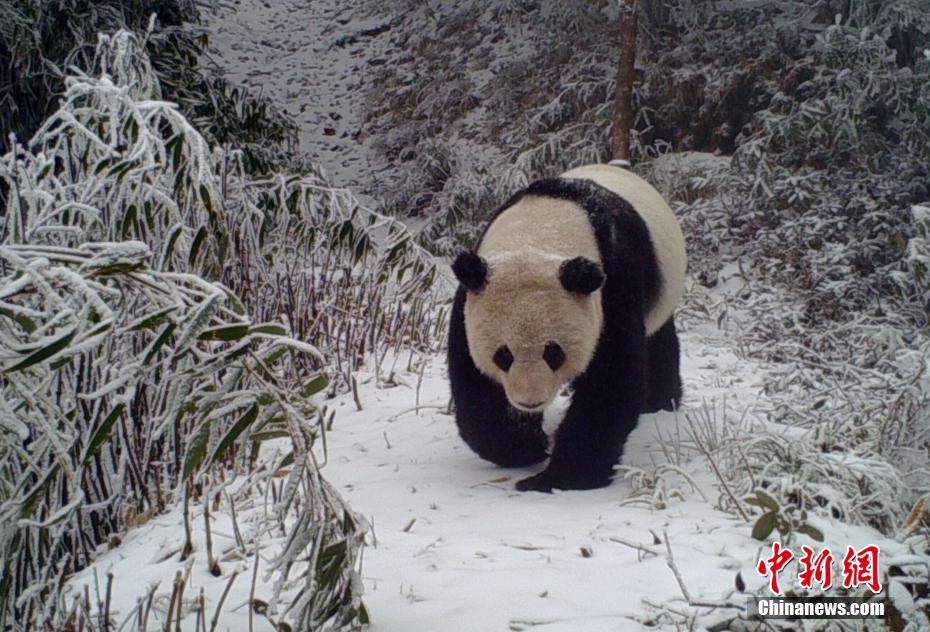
{"x":40,"y":41}
{"x":133,"y":377}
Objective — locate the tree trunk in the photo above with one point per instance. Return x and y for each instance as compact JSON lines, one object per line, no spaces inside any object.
{"x":623,"y":97}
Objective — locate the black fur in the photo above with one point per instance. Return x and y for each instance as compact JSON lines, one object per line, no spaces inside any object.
{"x":664,"y":379}
{"x":471,"y":270}
{"x":503,"y":358}
{"x":554,"y":355}
{"x":487,"y":422}
{"x":610,"y":394}
{"x":581,"y":275}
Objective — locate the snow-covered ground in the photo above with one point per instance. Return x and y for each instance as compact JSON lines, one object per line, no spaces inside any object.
{"x":312,"y":58}
{"x":456,"y":544}
{"x":454,"y":547}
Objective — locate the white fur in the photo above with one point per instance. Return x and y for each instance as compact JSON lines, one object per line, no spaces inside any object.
{"x":524,"y":305}
{"x":663,"y":227}
{"x":544,"y":224}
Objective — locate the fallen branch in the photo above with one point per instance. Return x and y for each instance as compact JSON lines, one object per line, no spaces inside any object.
{"x":694,"y":603}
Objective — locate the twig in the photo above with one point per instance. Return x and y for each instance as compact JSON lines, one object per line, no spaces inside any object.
{"x":353,"y":380}
{"x":707,"y":455}
{"x":235,"y":521}
{"x":252,"y":592}
{"x":182,"y":583}
{"x":415,"y":409}
{"x":420,"y":384}
{"x":174,"y":595}
{"x":670,"y":562}
{"x":188,"y":539}
{"x":135,"y":613}
{"x":219,"y":606}
{"x":201,"y":625}
{"x":148,"y":606}
{"x":633,"y":546}
{"x":106,"y":609}
{"x":213,"y":566}
{"x":523,"y":624}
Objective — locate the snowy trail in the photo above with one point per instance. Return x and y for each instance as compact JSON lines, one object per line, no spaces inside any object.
{"x":312,"y":58}
{"x":455,"y":544}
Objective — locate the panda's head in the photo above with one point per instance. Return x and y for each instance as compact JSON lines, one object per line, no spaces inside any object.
{"x":532,"y":321}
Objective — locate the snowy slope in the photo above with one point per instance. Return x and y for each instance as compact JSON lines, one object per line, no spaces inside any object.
{"x":454,"y":547}
{"x":312,"y":58}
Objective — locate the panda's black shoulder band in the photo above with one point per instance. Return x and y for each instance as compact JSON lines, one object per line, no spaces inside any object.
{"x":574,"y":189}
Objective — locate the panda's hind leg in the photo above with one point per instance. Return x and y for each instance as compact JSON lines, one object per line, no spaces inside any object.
{"x":663,"y":374}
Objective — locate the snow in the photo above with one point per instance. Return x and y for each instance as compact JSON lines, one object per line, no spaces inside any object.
{"x":479,"y":555}
{"x":920,"y":213}
{"x":453,"y":542}
{"x":313,"y":61}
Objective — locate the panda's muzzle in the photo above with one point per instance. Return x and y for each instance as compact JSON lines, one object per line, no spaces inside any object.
{"x":529,"y":407}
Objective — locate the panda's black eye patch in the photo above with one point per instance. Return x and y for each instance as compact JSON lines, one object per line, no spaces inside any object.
{"x":503,"y":358}
{"x":554,"y":355}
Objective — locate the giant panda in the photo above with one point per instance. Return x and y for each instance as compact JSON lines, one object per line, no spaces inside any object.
{"x":574,"y":282}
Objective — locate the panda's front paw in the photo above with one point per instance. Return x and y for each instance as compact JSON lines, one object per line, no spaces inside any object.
{"x":539,"y":483}
{"x":547,"y":480}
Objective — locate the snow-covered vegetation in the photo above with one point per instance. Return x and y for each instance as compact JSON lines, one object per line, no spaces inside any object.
{"x":196,"y":326}
{"x":164,"y":314}
{"x":41,"y":41}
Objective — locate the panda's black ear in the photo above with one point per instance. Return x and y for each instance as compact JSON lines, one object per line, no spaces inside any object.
{"x":581,"y":275}
{"x":471,"y":271}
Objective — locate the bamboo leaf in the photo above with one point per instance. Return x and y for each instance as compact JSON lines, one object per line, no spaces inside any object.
{"x":195,"y":247}
{"x":196,"y":451}
{"x":766,"y":501}
{"x":169,"y":245}
{"x":103,"y":432}
{"x":244,"y":422}
{"x":32,"y":499}
{"x":225,"y":333}
{"x":273,"y":329}
{"x":155,"y":319}
{"x":46,"y":352}
{"x":24,"y":321}
{"x":267,"y":435}
{"x":316,"y":385}
{"x":129,"y":220}
{"x":159,"y":342}
{"x":205,"y":197}
{"x":812,"y":531}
